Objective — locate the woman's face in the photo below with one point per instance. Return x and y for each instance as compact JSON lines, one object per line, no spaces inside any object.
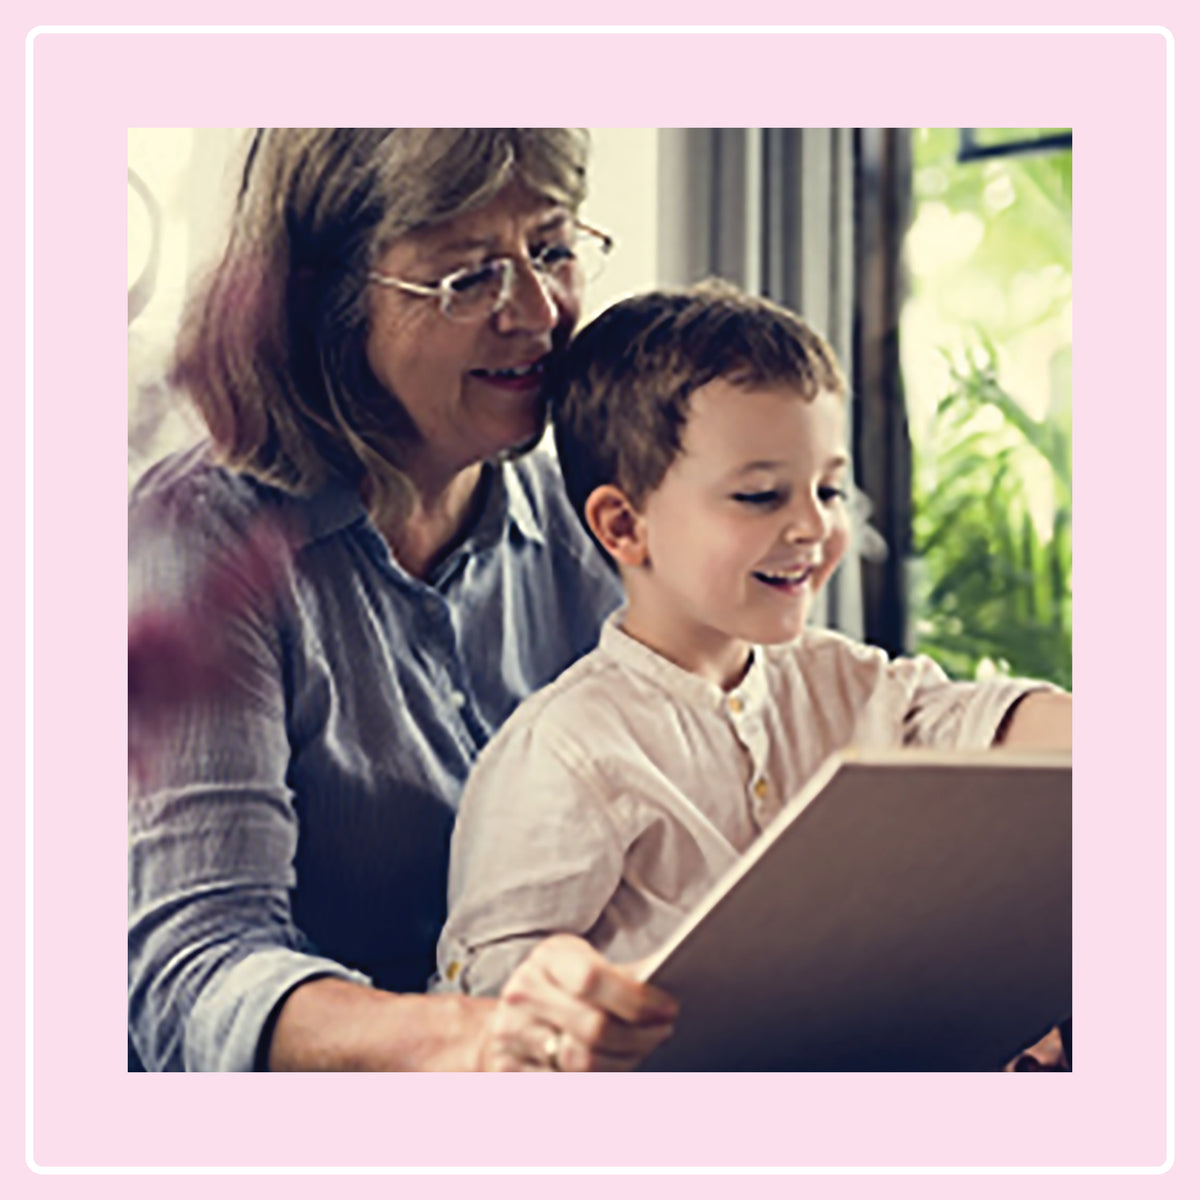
{"x":454,"y":379}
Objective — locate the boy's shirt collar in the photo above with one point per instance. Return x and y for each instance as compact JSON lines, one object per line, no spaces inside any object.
{"x":744,"y":701}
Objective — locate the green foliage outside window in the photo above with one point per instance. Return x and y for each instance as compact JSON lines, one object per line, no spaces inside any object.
{"x":986,"y":342}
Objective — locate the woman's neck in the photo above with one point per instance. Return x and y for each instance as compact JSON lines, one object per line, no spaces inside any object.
{"x":441,"y":514}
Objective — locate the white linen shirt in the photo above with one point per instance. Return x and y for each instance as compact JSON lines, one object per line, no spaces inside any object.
{"x":612,"y":800}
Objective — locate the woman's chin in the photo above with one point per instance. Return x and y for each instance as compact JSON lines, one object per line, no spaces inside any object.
{"x":524,"y":439}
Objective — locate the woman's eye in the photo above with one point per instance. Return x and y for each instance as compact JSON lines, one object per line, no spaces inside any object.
{"x":828,"y":493}
{"x":471,"y":278}
{"x":553,"y":256}
{"x":768,"y":499}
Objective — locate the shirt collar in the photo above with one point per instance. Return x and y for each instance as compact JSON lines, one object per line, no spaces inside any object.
{"x":746,"y":699}
{"x":505,"y":509}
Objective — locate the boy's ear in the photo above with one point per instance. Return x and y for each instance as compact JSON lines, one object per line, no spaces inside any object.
{"x":616,"y":524}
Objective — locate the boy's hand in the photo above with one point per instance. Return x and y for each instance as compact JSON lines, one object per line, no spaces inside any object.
{"x":1047,"y":1055}
{"x":567,"y":1008}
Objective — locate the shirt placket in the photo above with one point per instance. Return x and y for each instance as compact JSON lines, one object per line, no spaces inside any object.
{"x":446,"y":662}
{"x":438,"y":643}
{"x":746,"y":719}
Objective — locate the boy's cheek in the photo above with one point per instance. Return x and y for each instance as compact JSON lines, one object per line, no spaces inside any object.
{"x":833,"y":550}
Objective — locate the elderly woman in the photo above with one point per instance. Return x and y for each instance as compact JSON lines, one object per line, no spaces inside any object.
{"x":339,"y":597}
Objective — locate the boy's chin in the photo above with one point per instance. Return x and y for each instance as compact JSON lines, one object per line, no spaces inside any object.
{"x":780,"y":633}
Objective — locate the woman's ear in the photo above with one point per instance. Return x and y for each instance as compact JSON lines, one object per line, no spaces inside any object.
{"x":616,"y":524}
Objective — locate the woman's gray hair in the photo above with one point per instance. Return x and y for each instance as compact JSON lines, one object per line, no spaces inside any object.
{"x":272,"y":346}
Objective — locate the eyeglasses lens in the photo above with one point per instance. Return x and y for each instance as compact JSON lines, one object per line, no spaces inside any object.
{"x":470,"y":295}
{"x":475,"y":293}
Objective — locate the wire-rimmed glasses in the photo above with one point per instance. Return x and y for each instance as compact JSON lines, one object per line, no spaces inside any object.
{"x":474,"y":293}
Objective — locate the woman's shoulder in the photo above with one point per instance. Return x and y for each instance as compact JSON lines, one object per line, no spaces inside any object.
{"x":192,"y":485}
{"x":189,"y":515}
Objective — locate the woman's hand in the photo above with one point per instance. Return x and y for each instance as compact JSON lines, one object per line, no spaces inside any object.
{"x":567,"y":1008}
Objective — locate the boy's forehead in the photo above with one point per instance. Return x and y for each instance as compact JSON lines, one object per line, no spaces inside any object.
{"x":727,"y":395}
{"x":769,"y":422}
{"x":735,"y":386}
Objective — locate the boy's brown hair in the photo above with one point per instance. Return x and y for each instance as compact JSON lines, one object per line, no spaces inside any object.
{"x":619,"y":401}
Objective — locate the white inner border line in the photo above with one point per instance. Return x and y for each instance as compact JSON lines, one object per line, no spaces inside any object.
{"x":615,"y":29}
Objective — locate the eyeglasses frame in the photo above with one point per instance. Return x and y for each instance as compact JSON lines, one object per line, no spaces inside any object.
{"x":445,"y":296}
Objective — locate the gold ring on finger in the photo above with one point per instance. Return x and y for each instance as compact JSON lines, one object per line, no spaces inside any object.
{"x":552,"y":1049}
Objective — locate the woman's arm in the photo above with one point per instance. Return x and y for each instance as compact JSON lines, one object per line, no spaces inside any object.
{"x":1038,"y":721}
{"x":607,"y":1021}
{"x":333,"y":1024}
{"x":212,"y":825}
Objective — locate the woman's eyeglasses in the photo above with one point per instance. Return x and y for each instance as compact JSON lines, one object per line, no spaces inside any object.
{"x":475,"y":293}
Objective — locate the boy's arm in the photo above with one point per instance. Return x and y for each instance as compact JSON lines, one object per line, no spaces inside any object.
{"x":1041,"y":721}
{"x":533,"y":854}
{"x":1038,"y":721}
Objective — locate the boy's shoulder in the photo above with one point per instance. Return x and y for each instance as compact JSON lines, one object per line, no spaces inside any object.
{"x":818,"y":648}
{"x":572,"y":718}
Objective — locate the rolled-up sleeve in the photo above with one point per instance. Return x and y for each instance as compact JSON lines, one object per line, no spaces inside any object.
{"x":212,"y":827}
{"x":945,"y":714}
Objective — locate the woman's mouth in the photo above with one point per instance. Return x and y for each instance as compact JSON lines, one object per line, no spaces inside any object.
{"x":522,"y":378}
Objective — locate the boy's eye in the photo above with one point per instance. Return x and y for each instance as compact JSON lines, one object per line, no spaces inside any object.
{"x":767,"y":499}
{"x":828,"y":493}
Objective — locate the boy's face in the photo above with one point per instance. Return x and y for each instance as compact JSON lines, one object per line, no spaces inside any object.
{"x":747,"y":525}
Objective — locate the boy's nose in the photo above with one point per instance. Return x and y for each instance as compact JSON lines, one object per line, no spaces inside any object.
{"x":808,"y":522}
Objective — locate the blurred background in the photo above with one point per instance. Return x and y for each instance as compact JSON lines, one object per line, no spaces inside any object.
{"x":936,"y":261}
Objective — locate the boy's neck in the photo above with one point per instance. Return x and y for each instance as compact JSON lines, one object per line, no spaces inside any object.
{"x":702,"y":651}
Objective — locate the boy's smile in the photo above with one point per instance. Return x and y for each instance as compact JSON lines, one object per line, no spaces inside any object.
{"x":746,"y":526}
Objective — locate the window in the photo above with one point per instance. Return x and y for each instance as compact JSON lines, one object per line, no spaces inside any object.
{"x":986,"y":361}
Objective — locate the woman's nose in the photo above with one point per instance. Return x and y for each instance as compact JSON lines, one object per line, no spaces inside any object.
{"x":531,"y":305}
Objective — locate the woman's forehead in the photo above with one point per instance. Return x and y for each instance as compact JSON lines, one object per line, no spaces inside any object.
{"x":514,"y":211}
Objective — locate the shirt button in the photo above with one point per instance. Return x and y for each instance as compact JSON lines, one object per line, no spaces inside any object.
{"x":457,"y":699}
{"x":735,"y":704}
{"x":761,"y":788}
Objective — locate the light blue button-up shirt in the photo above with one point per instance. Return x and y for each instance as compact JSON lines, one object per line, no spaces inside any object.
{"x":296,"y":822}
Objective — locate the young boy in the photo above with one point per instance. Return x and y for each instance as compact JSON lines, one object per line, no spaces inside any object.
{"x":702,"y":437}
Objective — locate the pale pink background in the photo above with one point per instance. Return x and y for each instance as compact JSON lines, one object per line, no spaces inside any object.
{"x":88,"y":1114}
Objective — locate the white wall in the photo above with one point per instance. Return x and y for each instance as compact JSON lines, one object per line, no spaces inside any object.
{"x":623,"y":201}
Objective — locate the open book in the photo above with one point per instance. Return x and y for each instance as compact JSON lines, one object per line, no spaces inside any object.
{"x":908,"y":911}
